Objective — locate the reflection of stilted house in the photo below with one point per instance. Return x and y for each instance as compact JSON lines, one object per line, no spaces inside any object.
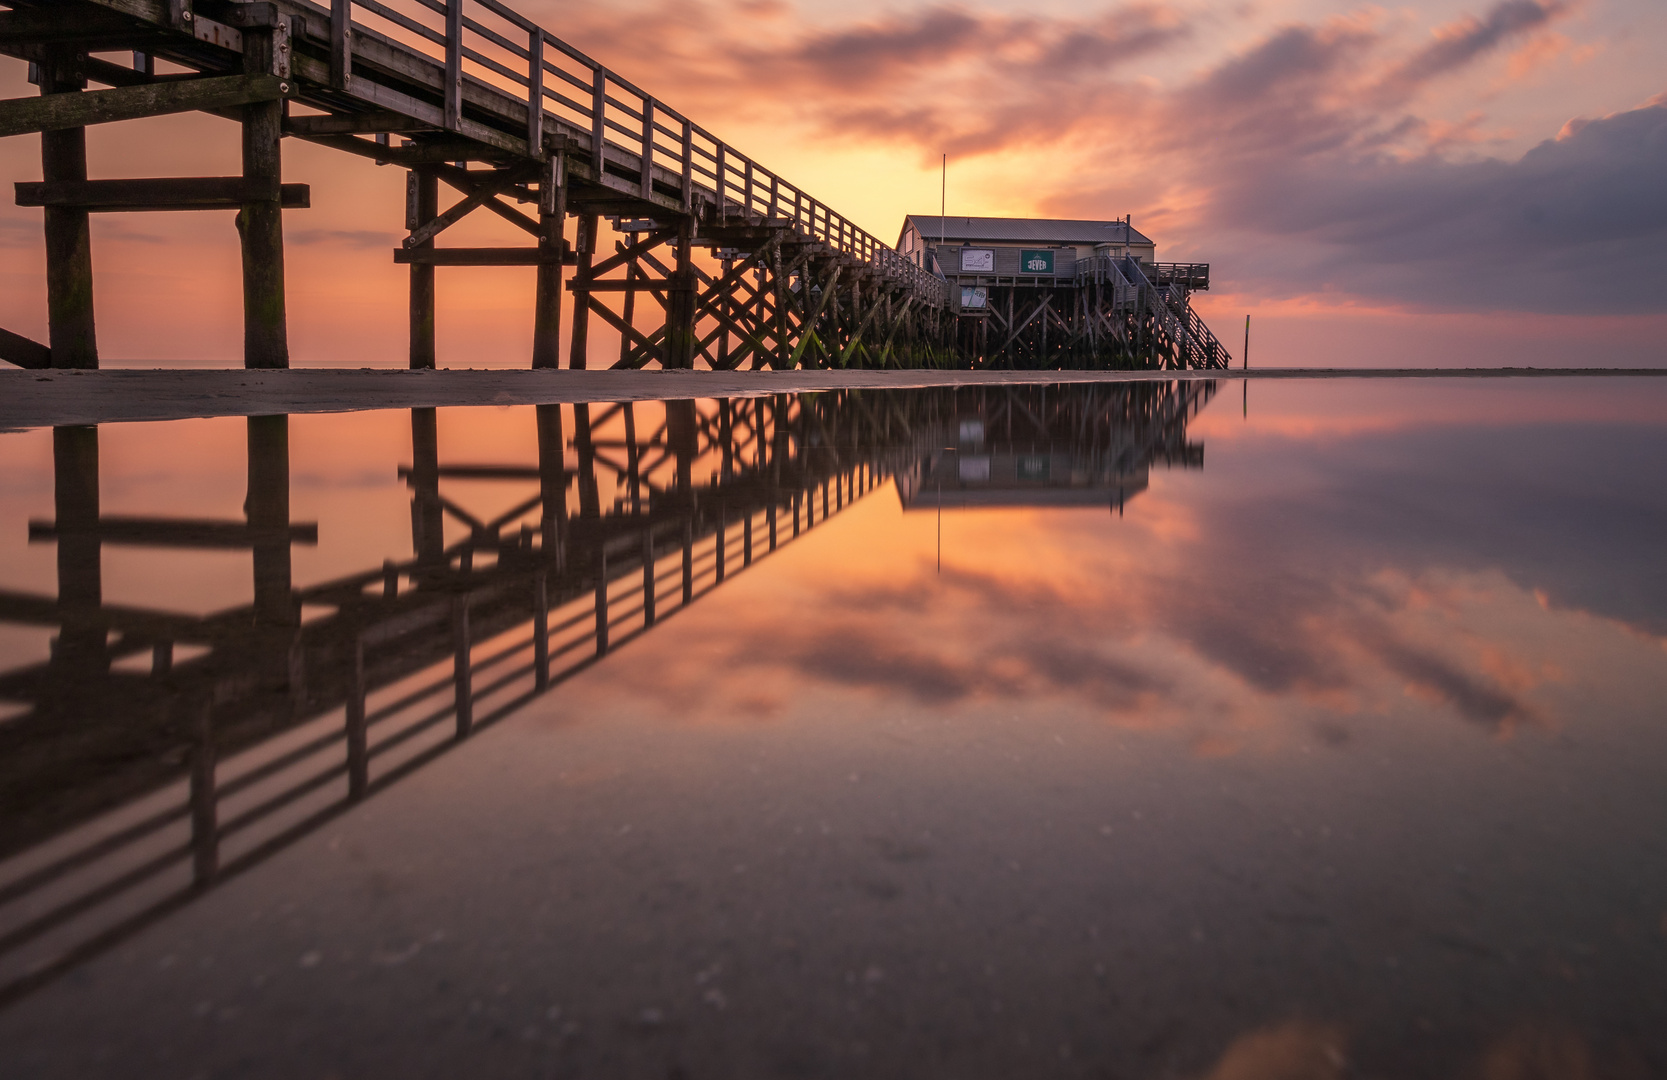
{"x":1039,"y":292}
{"x":1035,"y":446}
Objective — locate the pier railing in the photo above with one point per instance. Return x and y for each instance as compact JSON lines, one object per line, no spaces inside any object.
{"x":632,"y":140}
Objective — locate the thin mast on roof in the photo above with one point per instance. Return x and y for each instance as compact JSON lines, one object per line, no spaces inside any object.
{"x":943,"y":212}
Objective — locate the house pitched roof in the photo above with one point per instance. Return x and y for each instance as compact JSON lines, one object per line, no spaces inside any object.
{"x":1024,"y":230}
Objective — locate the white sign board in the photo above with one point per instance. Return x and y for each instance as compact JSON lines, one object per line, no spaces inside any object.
{"x":978,"y":260}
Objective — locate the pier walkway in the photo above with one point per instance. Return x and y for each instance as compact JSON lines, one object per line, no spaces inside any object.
{"x":473,"y":96}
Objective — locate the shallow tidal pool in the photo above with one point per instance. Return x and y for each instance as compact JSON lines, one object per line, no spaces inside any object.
{"x":1309,"y":729}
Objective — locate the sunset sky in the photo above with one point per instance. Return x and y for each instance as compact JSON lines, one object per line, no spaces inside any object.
{"x":1433,"y":182}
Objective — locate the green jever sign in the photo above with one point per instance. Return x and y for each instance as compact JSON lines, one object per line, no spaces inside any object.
{"x":1035,"y":262}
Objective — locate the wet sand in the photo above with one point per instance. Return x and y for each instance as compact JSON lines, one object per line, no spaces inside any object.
{"x":53,"y":398}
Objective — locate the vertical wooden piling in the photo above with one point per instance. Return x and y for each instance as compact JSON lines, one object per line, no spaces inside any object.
{"x":69,"y":248}
{"x":552,"y":214}
{"x":680,"y":303}
{"x":422,"y":205}
{"x":261,"y":221}
{"x":578,"y":348}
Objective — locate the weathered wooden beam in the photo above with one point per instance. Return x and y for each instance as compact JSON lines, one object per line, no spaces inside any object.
{"x":652,"y":285}
{"x":485,"y":256}
{"x":177,"y":532}
{"x":58,"y":112}
{"x":24,"y":352}
{"x":83,"y":26}
{"x":353,"y":124}
{"x":161,"y":193}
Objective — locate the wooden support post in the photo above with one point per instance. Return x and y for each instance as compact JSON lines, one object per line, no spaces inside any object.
{"x":770,"y":520}
{"x":552,"y":216}
{"x":628,"y":310}
{"x":681,"y":344}
{"x":422,"y":205}
{"x":746,"y":539}
{"x":462,"y":690}
{"x":586,"y":243}
{"x":261,"y":221}
{"x":69,"y":248}
{"x":798,"y":497}
{"x":358,"y":740}
{"x":648,"y":577}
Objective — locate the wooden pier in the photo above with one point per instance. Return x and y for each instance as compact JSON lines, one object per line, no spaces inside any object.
{"x":723,"y":263}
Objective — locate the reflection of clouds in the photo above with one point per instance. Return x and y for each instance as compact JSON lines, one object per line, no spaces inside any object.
{"x":1316,"y":592}
{"x":1293,"y":1050}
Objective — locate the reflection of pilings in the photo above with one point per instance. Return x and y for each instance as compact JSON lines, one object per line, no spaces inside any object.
{"x":205,"y":839}
{"x":267,"y":508}
{"x":428,"y":541}
{"x":552,"y":482}
{"x":683,"y":437}
{"x":81,"y":638}
{"x":380,"y":634}
{"x":589,"y":498}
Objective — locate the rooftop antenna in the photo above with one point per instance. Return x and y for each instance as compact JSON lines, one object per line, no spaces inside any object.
{"x":943,"y":211}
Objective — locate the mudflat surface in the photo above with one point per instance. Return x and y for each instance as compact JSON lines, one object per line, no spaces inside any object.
{"x":48,"y":398}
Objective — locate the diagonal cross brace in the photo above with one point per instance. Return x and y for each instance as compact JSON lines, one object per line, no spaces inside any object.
{"x":500,"y":182}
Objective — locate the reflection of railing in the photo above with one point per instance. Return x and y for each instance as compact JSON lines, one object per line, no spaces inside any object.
{"x":474,"y":651}
{"x":124,"y":793}
{"x":496,"y":70}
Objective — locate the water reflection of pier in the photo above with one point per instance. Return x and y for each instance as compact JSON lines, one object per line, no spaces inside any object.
{"x":161,"y":753}
{"x":1053,"y":446}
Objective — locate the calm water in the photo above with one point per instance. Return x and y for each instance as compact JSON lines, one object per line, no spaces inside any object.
{"x":1102,"y":732}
